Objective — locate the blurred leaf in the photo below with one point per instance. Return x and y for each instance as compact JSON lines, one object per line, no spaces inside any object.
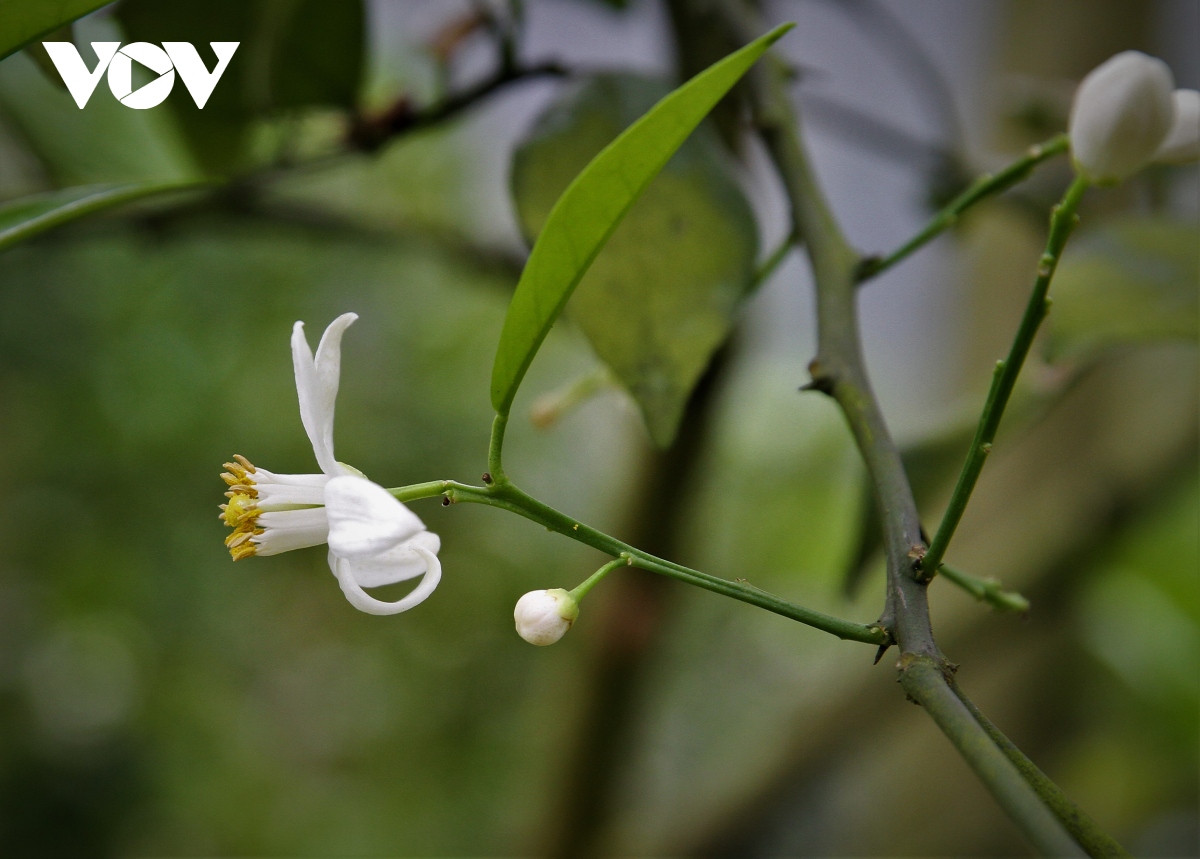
{"x":1140,"y":613}
{"x":106,"y":142}
{"x":21,"y":219}
{"x":22,"y":21}
{"x":293,"y":54}
{"x":595,"y":203}
{"x":1130,"y":281}
{"x":659,"y":300}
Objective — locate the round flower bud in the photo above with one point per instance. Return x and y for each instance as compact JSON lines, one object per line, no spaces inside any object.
{"x":1183,"y":140}
{"x":1121,"y":115}
{"x":543,"y":617}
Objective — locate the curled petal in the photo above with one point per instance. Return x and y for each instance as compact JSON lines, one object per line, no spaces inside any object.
{"x":317,"y":386}
{"x":397,"y":564}
{"x":361,"y":600}
{"x":364,"y":519}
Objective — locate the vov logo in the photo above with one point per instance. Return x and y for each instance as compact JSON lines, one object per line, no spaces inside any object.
{"x":164,"y":61}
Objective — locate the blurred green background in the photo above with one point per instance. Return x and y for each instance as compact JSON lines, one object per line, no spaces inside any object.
{"x":156,"y":699}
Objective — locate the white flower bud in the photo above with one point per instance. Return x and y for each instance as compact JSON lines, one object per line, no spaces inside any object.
{"x":543,"y":617}
{"x":1183,"y":140}
{"x":1121,"y":115}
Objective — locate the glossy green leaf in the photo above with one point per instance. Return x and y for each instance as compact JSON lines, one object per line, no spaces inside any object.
{"x":659,"y":299}
{"x":22,"y":21}
{"x":24,"y":218}
{"x":293,"y":54}
{"x":591,"y":208}
{"x":1131,"y":281}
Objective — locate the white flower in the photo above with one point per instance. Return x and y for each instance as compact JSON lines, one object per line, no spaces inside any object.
{"x":1183,"y":140}
{"x":1121,"y":115}
{"x":373,"y":539}
{"x":543,"y":617}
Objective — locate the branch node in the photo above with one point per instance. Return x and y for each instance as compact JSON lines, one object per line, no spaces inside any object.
{"x":867,"y":267}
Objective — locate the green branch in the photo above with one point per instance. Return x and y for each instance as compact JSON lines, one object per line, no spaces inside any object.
{"x":839,"y":369}
{"x":982,"y":188}
{"x":1062,"y":221}
{"x":506,"y":496}
{"x":1097,"y":843}
{"x":923,"y":680}
{"x":986,"y":590}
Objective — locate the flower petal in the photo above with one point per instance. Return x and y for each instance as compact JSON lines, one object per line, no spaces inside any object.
{"x":361,"y":600}
{"x":317,"y":386}
{"x":364,"y":519}
{"x":397,"y":564}
{"x":286,"y":530}
{"x":287,"y":496}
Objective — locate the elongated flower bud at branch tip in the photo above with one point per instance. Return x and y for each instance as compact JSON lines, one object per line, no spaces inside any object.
{"x":1183,"y":140}
{"x":543,"y":617}
{"x":1121,"y":115}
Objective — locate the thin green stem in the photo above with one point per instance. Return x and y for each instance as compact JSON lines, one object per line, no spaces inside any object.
{"x":923,"y":680}
{"x":985,"y":186}
{"x":550,"y":408}
{"x":986,"y":590}
{"x":590,"y":582}
{"x":771,"y":263}
{"x":1097,"y":843}
{"x":495,"y":448}
{"x":1062,"y":221}
{"x":506,"y":496}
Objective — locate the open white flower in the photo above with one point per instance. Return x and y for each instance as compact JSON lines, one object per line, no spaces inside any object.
{"x":373,"y":539}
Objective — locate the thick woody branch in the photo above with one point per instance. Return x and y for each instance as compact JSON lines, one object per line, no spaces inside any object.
{"x":839,"y":369}
{"x":925,"y":683}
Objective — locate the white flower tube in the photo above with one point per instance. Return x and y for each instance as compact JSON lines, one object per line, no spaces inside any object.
{"x":373,"y":539}
{"x":1183,"y":140}
{"x":543,"y":617}
{"x":1120,"y":117}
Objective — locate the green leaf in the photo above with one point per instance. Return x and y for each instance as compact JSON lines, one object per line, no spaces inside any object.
{"x":1130,"y":281}
{"x":26,"y":217}
{"x":660,"y":298}
{"x":590,"y":209}
{"x":293,"y":54}
{"x":22,"y":21}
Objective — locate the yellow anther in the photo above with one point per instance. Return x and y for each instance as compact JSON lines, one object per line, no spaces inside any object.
{"x":241,"y":513}
{"x":245,"y":550}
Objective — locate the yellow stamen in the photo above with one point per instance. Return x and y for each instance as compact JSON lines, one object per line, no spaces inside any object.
{"x":241,"y":513}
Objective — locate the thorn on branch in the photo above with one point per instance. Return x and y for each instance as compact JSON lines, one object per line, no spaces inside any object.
{"x":883,"y":648}
{"x":820,"y":381}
